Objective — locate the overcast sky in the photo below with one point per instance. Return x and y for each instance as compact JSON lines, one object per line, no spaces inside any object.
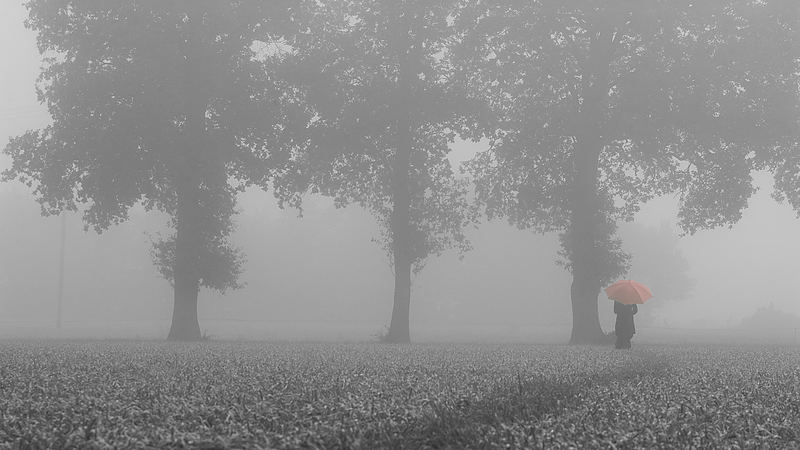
{"x":736,"y":271}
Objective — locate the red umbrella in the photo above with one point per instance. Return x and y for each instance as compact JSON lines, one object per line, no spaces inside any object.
{"x":628,"y":292}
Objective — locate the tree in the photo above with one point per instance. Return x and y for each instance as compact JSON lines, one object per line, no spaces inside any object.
{"x":784,"y":161}
{"x":785,"y":165}
{"x":769,"y":318}
{"x":165,"y":104}
{"x":656,"y":261}
{"x":603,"y":105}
{"x":377,"y":74}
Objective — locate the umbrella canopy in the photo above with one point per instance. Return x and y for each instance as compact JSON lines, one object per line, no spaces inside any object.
{"x":628,"y":292}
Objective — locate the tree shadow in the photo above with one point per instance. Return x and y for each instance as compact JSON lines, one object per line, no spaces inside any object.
{"x":528,"y":400}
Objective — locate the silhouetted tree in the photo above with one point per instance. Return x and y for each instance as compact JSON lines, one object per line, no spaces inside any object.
{"x":784,"y":160}
{"x":770,"y":318}
{"x":786,"y":168}
{"x":169,"y":104}
{"x":378,"y":75}
{"x":657,"y":261}
{"x":602,"y":105}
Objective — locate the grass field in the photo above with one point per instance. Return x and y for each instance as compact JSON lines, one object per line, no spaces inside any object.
{"x":288,"y":395}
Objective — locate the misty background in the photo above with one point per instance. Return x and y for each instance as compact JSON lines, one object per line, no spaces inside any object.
{"x":321,"y":276}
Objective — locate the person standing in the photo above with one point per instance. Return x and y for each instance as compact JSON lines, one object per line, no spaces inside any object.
{"x":624,"y":327}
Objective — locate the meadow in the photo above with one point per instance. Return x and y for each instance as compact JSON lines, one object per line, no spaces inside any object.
{"x":138,"y":394}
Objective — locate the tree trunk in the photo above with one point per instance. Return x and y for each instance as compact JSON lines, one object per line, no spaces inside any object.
{"x":584,"y":201}
{"x":188,"y":236}
{"x":399,"y":329}
{"x":585,"y":284}
{"x":401,"y":212}
{"x":401,"y":236}
{"x":185,"y":326}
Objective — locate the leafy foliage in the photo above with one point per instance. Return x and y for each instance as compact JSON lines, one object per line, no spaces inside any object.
{"x":218,"y":265}
{"x":693,"y":89}
{"x":353,"y":70}
{"x":610,"y":260}
{"x":239,"y":395}
{"x":785,"y":165}
{"x":600,"y":106}
{"x":121,"y":81}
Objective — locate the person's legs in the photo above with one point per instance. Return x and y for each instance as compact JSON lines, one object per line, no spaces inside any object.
{"x":623,"y":342}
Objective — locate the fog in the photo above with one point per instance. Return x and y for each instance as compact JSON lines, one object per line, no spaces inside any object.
{"x":320,"y":276}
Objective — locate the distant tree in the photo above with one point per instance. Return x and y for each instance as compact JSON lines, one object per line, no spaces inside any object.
{"x":166,"y":104}
{"x":657,"y":261}
{"x":770,"y":318}
{"x":378,"y":75}
{"x":602,"y":105}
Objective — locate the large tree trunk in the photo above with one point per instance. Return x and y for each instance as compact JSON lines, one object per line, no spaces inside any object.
{"x":401,"y":234}
{"x":185,"y":326}
{"x":584,"y":199}
{"x":399,"y":329}
{"x":585,"y":284}
{"x":401,"y":213}
{"x":189,"y":164}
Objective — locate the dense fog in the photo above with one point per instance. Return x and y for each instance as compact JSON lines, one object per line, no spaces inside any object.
{"x":321,"y":276}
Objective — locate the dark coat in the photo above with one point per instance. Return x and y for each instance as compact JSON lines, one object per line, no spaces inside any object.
{"x":624,"y":327}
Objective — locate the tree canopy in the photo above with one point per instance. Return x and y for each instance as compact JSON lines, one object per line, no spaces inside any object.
{"x":378,"y":76}
{"x":603,"y":105}
{"x":167,"y":104}
{"x":590,"y":108}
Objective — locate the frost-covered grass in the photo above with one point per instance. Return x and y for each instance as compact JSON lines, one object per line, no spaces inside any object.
{"x":251,"y":395}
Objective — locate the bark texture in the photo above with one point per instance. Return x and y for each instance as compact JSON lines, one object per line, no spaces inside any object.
{"x":401,"y":234}
{"x":401,"y":213}
{"x":585,"y":205}
{"x":185,"y":326}
{"x":187,"y":165}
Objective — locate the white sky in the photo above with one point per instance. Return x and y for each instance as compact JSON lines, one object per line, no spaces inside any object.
{"x":736,"y":270}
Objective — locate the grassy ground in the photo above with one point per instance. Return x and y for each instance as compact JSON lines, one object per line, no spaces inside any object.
{"x":251,"y":395}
